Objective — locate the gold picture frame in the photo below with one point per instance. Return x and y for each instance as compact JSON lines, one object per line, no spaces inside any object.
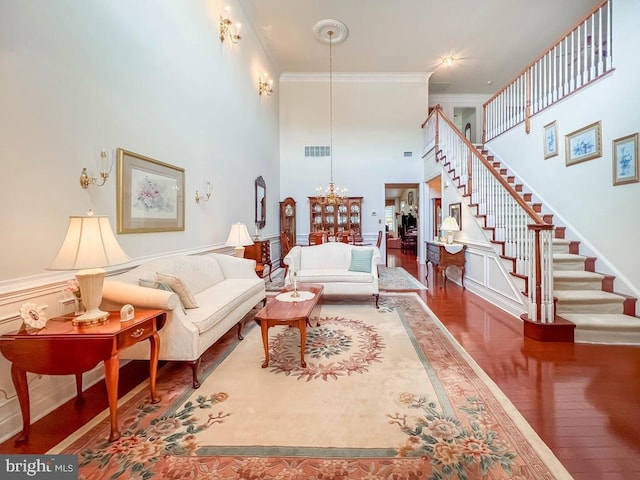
{"x":625,"y":159}
{"x":550,"y":140}
{"x":584,"y":144}
{"x":150,"y":194}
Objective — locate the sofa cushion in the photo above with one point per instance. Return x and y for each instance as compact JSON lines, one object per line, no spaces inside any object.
{"x":327,"y":275}
{"x":219,"y":300}
{"x":154,"y":283}
{"x":361,"y":260}
{"x":333,"y":255}
{"x":180,"y":287}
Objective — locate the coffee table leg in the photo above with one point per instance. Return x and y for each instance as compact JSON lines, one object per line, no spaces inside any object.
{"x":302,"y":325}
{"x":264,"y":327}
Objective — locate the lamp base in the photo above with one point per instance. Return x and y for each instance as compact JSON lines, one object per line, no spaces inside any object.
{"x":97,"y":318}
{"x":91,"y":291}
{"x":239,"y":251}
{"x":449,"y":237}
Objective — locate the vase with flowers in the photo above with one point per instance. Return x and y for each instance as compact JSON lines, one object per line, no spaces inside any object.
{"x":74,"y":287}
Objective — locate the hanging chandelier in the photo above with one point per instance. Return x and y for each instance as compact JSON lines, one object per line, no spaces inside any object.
{"x":330,"y":31}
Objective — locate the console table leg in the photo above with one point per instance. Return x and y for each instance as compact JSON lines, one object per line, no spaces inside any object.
{"x":19,"y":378}
{"x":79,"y":395}
{"x":111,"y":372}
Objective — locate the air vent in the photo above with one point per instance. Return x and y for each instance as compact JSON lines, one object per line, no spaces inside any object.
{"x":408,"y":154}
{"x":317,"y":151}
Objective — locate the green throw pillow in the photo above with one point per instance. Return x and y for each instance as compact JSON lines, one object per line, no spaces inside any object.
{"x":361,"y":260}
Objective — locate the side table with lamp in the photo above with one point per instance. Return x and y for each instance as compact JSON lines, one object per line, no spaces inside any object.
{"x":445,"y":254}
{"x":71,"y":345}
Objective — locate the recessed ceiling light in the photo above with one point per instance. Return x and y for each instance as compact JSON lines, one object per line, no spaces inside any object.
{"x":448,"y":61}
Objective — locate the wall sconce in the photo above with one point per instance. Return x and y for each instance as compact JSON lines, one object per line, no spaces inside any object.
{"x":225,"y":28}
{"x":265,"y":86}
{"x":207,"y":193}
{"x":106,"y":164}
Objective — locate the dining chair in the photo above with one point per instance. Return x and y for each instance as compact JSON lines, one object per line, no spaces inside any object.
{"x":316,"y":238}
{"x":285,"y":246}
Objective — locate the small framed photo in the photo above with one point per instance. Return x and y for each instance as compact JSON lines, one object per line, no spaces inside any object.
{"x":410,"y":197}
{"x":625,"y":160}
{"x":454,"y":211}
{"x":550,"y":140}
{"x":150,"y":194}
{"x":584,"y":144}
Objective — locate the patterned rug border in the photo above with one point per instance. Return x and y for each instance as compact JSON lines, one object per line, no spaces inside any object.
{"x":541,"y":449}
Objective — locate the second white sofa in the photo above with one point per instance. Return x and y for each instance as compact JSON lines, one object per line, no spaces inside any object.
{"x":216,"y":292}
{"x":343,"y":269}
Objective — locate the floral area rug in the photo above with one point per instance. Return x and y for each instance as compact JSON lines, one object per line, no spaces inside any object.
{"x":390,"y":279}
{"x":386,"y":394}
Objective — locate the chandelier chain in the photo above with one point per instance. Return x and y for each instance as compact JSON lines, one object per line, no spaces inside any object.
{"x":330,"y":33}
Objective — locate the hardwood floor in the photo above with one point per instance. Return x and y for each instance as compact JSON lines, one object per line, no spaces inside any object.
{"x":583,"y":400}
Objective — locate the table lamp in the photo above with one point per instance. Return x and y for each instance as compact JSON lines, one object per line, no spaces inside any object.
{"x":89,"y":245}
{"x":450,"y":225}
{"x":239,"y":237}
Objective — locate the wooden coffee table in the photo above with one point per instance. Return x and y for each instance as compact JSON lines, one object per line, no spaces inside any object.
{"x":293,"y":314}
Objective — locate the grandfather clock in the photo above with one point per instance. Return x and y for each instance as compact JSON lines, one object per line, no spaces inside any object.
{"x":288,"y":223}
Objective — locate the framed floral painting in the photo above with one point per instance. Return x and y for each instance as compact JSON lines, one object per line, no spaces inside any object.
{"x":584,"y":144}
{"x":625,"y":160}
{"x":550,"y":140}
{"x":150,"y":195}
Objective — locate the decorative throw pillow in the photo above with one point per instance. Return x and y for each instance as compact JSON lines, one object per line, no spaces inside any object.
{"x":144,"y":282}
{"x":178,"y":286}
{"x":361,"y":260}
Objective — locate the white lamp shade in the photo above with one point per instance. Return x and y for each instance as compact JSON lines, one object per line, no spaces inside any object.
{"x":238,"y":236}
{"x":90,"y":243}
{"x":450,"y":225}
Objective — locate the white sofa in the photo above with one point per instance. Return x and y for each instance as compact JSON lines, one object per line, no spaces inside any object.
{"x":223,"y":287}
{"x":332,"y":265}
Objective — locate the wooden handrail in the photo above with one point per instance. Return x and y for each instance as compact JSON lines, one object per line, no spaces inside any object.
{"x":523,"y":204}
{"x":553,"y":45}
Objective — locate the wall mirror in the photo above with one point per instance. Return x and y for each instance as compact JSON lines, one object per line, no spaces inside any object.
{"x":261,"y":202}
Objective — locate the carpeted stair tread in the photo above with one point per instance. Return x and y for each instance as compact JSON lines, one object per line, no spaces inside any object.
{"x":561,"y":245}
{"x":576,"y":280}
{"x":608,"y":321}
{"x":615,"y":329}
{"x":588,"y":301}
{"x":568,"y":261}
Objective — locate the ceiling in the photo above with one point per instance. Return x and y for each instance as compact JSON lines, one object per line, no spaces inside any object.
{"x":492,"y":40}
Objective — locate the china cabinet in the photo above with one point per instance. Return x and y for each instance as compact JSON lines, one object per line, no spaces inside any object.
{"x":334,"y":218}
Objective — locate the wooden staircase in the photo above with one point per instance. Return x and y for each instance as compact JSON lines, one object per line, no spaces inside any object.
{"x":586,"y":307}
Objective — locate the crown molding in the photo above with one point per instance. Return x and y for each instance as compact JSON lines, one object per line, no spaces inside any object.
{"x":360,"y":77}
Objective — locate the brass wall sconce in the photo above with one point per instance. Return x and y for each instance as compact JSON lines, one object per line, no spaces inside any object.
{"x":207,"y":193}
{"x":225,"y":28}
{"x":265,"y":86}
{"x":106,"y":164}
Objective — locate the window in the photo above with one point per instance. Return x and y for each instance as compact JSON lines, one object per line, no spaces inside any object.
{"x":390,"y":217}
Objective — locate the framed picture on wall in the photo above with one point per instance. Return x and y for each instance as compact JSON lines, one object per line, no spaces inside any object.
{"x":584,"y":144}
{"x":454,"y":211}
{"x":150,"y":194}
{"x":410,"y":198}
{"x":625,"y":160}
{"x":550,"y":140}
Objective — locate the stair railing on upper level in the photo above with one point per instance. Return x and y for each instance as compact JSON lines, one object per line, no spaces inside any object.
{"x":516,"y":229}
{"x":577,"y":59}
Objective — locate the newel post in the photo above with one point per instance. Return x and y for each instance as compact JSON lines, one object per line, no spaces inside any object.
{"x":541,"y":295}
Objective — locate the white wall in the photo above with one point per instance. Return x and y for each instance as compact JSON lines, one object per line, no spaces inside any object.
{"x":150,"y":76}
{"x":376,"y":118}
{"x":604,"y":217}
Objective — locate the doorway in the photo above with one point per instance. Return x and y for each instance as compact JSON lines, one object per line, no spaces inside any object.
{"x":402,"y":212}
{"x":464,"y":118}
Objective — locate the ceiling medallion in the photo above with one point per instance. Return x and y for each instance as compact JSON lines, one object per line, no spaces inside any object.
{"x":322,"y":28}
